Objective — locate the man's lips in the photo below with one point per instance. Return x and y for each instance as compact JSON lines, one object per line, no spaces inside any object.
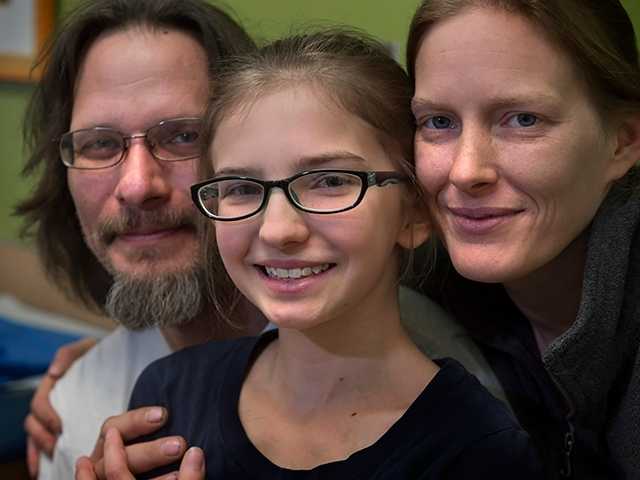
{"x":151,"y":234}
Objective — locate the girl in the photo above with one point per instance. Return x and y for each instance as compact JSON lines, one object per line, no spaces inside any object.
{"x":313,"y":200}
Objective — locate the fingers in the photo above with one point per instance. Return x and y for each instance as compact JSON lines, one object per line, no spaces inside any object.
{"x":44,"y":414}
{"x":131,"y":425}
{"x":39,"y":438}
{"x":144,"y":457}
{"x":115,"y":458}
{"x":33,"y":458}
{"x":84,"y":469}
{"x":67,"y":355}
{"x":192,"y":466}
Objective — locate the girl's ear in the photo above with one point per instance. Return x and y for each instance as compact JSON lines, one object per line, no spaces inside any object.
{"x":627,"y":152}
{"x":417,"y":227}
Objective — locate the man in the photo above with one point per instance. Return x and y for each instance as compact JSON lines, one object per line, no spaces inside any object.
{"x":124,"y":84}
{"x":111,"y":212}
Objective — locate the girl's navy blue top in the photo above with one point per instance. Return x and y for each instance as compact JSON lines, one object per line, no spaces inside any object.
{"x":455,"y":429}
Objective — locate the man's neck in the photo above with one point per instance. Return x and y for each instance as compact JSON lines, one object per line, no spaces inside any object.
{"x":209,"y":326}
{"x":550,"y":297}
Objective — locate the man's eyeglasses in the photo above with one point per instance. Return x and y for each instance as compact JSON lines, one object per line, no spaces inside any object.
{"x":101,"y":147}
{"x":317,"y":191}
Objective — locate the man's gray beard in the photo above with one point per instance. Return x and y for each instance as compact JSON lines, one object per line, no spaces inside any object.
{"x":164,"y":301}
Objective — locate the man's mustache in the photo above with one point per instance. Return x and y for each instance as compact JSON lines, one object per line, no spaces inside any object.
{"x":136,"y":221}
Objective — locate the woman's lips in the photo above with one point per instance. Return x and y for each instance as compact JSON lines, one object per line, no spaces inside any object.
{"x":480,"y":220}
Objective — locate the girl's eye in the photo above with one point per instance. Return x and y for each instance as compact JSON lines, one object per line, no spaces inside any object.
{"x":439,"y":122}
{"x":240,"y":190}
{"x":332,"y":181}
{"x":523,"y":120}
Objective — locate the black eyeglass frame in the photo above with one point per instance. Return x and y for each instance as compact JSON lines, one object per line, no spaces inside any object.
{"x":126,"y":140}
{"x":368,"y":179}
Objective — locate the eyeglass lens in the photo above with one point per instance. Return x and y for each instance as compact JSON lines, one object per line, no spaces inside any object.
{"x":170,"y":140}
{"x":314,"y":191}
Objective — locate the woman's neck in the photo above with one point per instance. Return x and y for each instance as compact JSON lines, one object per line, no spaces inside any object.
{"x":550,"y":297}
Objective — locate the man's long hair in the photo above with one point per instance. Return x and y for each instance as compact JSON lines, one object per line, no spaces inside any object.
{"x":49,"y":212}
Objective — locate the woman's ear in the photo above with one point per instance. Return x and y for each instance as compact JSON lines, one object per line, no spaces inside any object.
{"x":417,"y":227}
{"x":627,"y":151}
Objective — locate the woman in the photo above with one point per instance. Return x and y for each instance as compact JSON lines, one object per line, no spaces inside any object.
{"x":527,"y":143}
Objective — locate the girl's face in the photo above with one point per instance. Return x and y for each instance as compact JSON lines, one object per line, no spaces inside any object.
{"x":512,"y":153}
{"x":344,"y":262}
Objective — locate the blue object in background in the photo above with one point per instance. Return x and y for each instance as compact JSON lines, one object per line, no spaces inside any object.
{"x":25,"y":352}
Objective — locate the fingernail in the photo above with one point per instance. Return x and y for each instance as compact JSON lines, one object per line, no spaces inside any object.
{"x":171,"y":448}
{"x":54,"y":371}
{"x":195,"y":459}
{"x":154,"y":415}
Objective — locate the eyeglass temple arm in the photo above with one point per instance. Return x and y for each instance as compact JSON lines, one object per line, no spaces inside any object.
{"x":382,"y":179}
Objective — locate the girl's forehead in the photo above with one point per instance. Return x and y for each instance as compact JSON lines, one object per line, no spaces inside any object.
{"x":293,"y":127}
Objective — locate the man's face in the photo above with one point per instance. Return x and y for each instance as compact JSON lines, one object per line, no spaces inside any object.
{"x":137,"y":216}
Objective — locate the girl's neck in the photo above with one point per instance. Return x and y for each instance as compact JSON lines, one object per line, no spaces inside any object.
{"x":334,"y":389}
{"x":550,"y":297}
{"x":354,"y":354}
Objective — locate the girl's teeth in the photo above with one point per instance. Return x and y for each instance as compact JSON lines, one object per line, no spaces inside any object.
{"x":295,"y":272}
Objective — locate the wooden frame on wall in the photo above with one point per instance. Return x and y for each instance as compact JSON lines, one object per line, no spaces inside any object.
{"x":27,"y":25}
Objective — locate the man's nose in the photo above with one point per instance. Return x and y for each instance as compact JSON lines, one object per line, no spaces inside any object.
{"x":143,"y":179}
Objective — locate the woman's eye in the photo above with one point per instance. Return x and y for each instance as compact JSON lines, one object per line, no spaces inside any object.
{"x":439,"y":122}
{"x":523,"y":120}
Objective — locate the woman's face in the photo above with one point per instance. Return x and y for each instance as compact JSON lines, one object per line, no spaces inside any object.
{"x":509,"y":147}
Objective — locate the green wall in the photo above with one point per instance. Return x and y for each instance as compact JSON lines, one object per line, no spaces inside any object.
{"x":264,"y":19}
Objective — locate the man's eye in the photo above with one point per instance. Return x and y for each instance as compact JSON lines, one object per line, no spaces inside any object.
{"x":185,"y":137}
{"x":99,"y":144}
{"x":438,"y":122}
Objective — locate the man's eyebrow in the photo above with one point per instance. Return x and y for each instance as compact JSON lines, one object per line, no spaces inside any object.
{"x":310,"y":162}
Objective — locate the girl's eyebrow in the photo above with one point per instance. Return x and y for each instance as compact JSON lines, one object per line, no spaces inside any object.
{"x":310,"y":162}
{"x":323,"y":159}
